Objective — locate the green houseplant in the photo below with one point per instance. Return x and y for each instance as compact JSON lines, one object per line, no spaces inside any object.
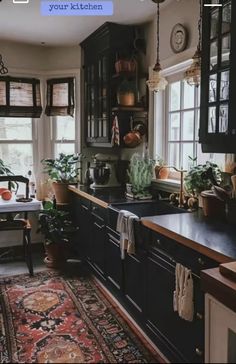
{"x":62,"y":171}
{"x":201,"y":178}
{"x":140,"y":175}
{"x":57,"y":228}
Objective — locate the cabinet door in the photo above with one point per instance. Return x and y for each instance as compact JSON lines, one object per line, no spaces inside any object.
{"x":114,"y":266}
{"x":81,"y":216}
{"x":103,"y":98}
{"x":90,"y":96}
{"x":220,"y":332}
{"x":134,"y":281}
{"x":217,"y":124}
{"x":98,"y":239}
{"x":183,"y":339}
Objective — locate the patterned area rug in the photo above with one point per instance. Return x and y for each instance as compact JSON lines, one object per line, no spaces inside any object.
{"x":53,"y":319}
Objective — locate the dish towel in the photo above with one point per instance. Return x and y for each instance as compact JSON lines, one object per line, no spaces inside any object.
{"x":183,"y":294}
{"x":125,"y":226}
{"x":115,"y":132}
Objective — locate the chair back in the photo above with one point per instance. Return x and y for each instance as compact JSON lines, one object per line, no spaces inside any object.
{"x":16,"y":179}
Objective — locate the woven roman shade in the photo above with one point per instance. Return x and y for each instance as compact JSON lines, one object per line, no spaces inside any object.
{"x":20,"y":97}
{"x":60,"y":97}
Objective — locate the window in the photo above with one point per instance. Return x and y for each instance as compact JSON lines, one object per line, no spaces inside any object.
{"x":182,"y":124}
{"x":63,"y":135}
{"x":17,"y":143}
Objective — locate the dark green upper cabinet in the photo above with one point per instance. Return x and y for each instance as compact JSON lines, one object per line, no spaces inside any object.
{"x":218,"y":85}
{"x":100,"y":51}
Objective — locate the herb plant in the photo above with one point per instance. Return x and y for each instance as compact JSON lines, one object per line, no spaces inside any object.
{"x":140,"y":174}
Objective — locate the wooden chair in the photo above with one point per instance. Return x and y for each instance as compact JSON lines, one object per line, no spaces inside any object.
{"x":9,"y":223}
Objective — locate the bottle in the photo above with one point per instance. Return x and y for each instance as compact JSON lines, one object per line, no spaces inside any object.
{"x":32,"y":185}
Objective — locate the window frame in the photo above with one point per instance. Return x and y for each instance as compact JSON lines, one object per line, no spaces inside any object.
{"x":181,"y":111}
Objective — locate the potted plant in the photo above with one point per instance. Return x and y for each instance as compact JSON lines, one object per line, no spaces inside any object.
{"x":140,"y":175}
{"x":201,"y":178}
{"x":57,"y":228}
{"x":126,"y":93}
{"x":161,"y":169}
{"x":62,"y":171}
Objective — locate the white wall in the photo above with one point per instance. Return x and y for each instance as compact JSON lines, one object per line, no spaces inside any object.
{"x":185,"y":12}
{"x":39,"y":58}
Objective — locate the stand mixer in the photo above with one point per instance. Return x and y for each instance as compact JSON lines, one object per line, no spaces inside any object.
{"x":103,"y":173}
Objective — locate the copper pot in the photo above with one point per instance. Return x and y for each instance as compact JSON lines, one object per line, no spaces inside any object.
{"x":132,"y":139}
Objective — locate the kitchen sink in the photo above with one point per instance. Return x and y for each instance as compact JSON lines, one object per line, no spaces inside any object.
{"x":148,"y":208}
{"x":141,"y":209}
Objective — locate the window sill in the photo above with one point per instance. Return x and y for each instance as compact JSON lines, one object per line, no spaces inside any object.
{"x":167,"y":185}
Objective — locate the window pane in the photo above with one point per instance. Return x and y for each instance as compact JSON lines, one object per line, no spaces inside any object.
{"x":188,"y":125}
{"x":213,"y":88}
{"x":173,"y":154}
{"x":18,"y":156}
{"x":213,"y":55}
{"x":187,"y":151}
{"x":174,"y":130}
{"x":67,"y":148}
{"x":175,"y":96}
{"x":15,"y":129}
{"x":188,"y":96}
{"x":212,"y":157}
{"x":65,"y":128}
{"x":212,"y":120}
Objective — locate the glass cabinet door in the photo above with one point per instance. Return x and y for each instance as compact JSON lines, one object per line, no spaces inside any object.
{"x":219,"y":68}
{"x":90,"y":100}
{"x":103,"y":77}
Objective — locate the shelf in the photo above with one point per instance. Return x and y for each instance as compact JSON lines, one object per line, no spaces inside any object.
{"x":129,"y":108}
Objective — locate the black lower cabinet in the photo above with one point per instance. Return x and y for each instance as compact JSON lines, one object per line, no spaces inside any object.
{"x":98,"y":239}
{"x":114,"y":264}
{"x":144,"y":283}
{"x":134,"y":282}
{"x":181,"y":340}
{"x":82,"y":219}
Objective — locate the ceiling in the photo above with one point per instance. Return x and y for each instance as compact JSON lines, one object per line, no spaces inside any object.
{"x":23,"y":22}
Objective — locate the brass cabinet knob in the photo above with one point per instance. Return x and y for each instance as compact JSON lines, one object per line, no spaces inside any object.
{"x":201,"y":261}
{"x":158,"y":242}
{"x":198,"y":352}
{"x":199,"y":316}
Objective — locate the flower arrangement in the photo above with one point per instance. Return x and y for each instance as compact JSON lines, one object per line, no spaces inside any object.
{"x":140,"y":175}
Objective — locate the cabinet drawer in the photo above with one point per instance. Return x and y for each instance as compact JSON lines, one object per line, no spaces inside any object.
{"x":98,"y":211}
{"x":85,"y":202}
{"x":178,"y":253}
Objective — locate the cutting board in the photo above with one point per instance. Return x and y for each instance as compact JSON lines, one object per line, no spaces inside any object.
{"x":228,"y":270}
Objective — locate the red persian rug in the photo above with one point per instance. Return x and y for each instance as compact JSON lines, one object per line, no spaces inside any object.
{"x":54,"y":319}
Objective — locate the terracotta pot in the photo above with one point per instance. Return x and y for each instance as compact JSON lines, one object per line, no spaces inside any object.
{"x":123,"y":65}
{"x":61,"y":192}
{"x":161,"y":172}
{"x":55,"y":255}
{"x":126,"y":99}
{"x":212,"y":206}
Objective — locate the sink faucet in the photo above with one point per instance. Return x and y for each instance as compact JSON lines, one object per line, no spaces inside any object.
{"x":181,"y":193}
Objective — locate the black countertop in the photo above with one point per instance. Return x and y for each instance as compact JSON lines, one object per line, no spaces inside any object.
{"x":215,"y":238}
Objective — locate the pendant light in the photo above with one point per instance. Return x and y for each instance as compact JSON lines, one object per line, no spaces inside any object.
{"x":193,"y":74}
{"x":157,"y":82}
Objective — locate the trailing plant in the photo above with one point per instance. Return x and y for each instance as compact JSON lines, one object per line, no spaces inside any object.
{"x":62,"y":169}
{"x":6,"y":171}
{"x":202,"y":177}
{"x":140,"y":173}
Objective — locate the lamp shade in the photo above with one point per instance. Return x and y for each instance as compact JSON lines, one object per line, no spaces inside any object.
{"x":156,"y":82}
{"x":193,"y":74}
